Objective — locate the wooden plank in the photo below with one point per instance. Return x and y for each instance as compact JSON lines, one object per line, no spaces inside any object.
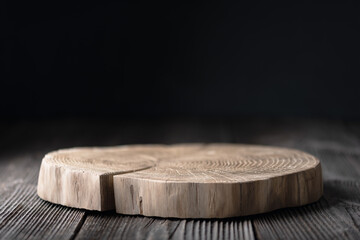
{"x":329,"y":141}
{"x":23,"y":215}
{"x":22,"y":167}
{"x":115,"y":226}
{"x":337,"y":214}
{"x":326,"y":219}
{"x":339,"y":164}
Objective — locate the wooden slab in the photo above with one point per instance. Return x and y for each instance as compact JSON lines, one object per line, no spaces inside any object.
{"x":182,"y":181}
{"x":220,"y":181}
{"x":83,"y":177}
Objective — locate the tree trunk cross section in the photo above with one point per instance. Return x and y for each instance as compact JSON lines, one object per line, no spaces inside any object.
{"x":182,"y":180}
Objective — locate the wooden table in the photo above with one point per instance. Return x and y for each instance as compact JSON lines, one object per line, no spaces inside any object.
{"x":23,"y":215}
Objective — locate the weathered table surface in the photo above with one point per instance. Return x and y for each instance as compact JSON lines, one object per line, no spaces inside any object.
{"x":23,"y":215}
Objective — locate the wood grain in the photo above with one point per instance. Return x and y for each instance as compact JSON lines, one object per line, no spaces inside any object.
{"x":220,"y":181}
{"x":24,"y":216}
{"x":115,"y":226}
{"x":83,"y":177}
{"x":335,"y":143}
{"x":183,"y":181}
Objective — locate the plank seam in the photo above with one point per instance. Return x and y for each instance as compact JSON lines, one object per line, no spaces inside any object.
{"x":352,"y":218}
{"x":79,"y":226}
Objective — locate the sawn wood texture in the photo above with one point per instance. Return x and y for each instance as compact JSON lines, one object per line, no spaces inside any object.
{"x":181,"y":181}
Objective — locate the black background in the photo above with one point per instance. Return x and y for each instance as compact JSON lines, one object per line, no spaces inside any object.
{"x":207,"y":59}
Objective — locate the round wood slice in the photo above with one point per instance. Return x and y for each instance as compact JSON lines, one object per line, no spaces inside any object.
{"x":83,"y":177}
{"x":181,"y":181}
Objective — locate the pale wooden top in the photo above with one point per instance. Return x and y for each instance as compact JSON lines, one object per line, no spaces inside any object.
{"x":112,"y":160}
{"x":185,"y":181}
{"x":228,"y":163}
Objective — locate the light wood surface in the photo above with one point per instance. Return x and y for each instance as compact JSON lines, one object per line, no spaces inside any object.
{"x":83,"y":177}
{"x":219,"y":181}
{"x":181,"y":181}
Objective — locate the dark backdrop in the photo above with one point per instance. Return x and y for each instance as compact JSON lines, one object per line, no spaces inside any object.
{"x":146,"y":59}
